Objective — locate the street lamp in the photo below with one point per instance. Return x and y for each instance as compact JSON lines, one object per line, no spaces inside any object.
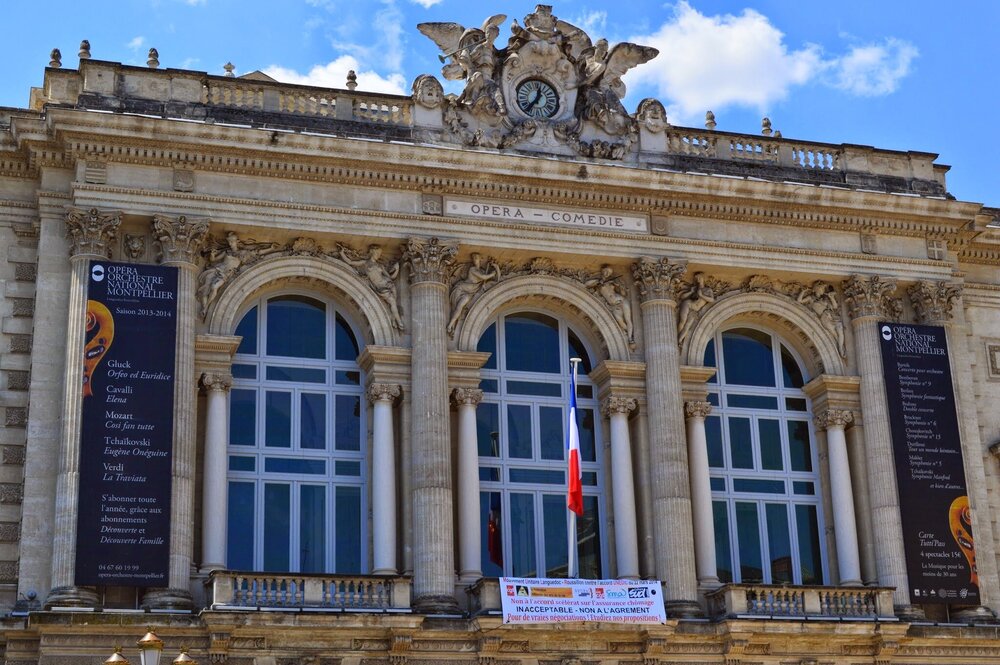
{"x":150,"y":648}
{"x":117,"y":658}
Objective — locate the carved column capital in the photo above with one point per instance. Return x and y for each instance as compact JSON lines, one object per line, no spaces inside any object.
{"x":617,"y":404}
{"x":180,"y":239}
{"x":872,"y":296}
{"x":471,"y":396}
{"x":697,"y":409}
{"x":834,"y":418}
{"x":91,"y":231}
{"x":429,"y":259}
{"x":217,"y":381}
{"x":933,"y":301}
{"x":383,"y":392}
{"x":658,"y":279}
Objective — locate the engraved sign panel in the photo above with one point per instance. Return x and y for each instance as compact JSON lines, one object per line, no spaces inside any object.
{"x":581,"y":219}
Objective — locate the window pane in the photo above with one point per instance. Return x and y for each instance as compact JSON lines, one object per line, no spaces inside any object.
{"x":770,"y":444}
{"x":348,"y":530}
{"x":534,"y":388}
{"x":717,"y":484}
{"x":347,"y":468}
{"x":791,"y":374}
{"x":538,"y":476}
{"x":277,"y":522}
{"x":577,"y":350}
{"x":795,"y":404}
{"x":242,"y":417}
{"x":488,"y":344}
{"x":713,"y":433}
{"x":242,"y":463}
{"x":709,"y":360}
{"x":550,"y":426}
{"x":758,"y":485}
{"x":522,"y":541}
{"x":240,"y":529}
{"x":312,"y":419}
{"x":748,"y":536}
{"x":315,"y":467}
{"x":343,"y":378}
{"x":531,"y":343}
{"x":747,"y":358}
{"x":554,"y":515}
{"x":488,"y":429}
{"x":802,"y":487}
{"x":345,"y":343}
{"x":296,"y":374}
{"x":247,"y":329}
{"x":799,"y":449}
{"x":348,"y":421}
{"x":278,"y":419}
{"x":740,"y":445}
{"x":492,"y":534}
{"x":312,"y":529}
{"x":296,"y":327}
{"x":585,"y":425}
{"x":807,"y":525}
{"x":751,"y":402}
{"x":519,"y":431}
{"x":588,"y":540}
{"x":489,"y":385}
{"x":779,"y":542}
{"x":723,"y":557}
{"x":489,"y":474}
{"x":244,"y":371}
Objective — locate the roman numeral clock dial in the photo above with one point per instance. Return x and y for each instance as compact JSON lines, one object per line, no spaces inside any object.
{"x":537,"y":99}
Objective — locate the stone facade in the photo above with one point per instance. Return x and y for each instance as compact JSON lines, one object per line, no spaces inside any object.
{"x":549,"y":198}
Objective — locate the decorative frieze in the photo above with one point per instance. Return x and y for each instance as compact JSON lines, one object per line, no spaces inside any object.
{"x":91,"y":232}
{"x":933,"y":301}
{"x":180,"y":239}
{"x":383,"y":392}
{"x":429,"y":259}
{"x":183,"y":180}
{"x":834,"y":418}
{"x":697,"y":409}
{"x":658,"y":279}
{"x":872,"y":297}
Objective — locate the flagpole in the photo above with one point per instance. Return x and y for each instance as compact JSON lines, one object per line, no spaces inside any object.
{"x":572,"y":565}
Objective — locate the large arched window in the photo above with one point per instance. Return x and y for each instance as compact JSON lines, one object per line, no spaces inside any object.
{"x":522,"y":470}
{"x":764,"y":468}
{"x":297,"y":495}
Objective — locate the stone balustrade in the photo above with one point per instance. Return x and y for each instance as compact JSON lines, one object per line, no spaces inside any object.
{"x":240,"y":590}
{"x":774,"y":601}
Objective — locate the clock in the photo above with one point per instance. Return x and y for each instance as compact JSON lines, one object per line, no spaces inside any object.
{"x":537,"y":99}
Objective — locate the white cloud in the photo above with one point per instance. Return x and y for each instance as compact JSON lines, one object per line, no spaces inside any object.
{"x":136,"y":43}
{"x":426,"y":4}
{"x":709,"y":62}
{"x":334,"y":75}
{"x":195,"y":3}
{"x":387,"y":48}
{"x":875,"y":69}
{"x":591,"y":22}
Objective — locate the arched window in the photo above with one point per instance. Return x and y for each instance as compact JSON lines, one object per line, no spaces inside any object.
{"x":297,"y":472}
{"x":522,"y":470}
{"x":762,"y":457}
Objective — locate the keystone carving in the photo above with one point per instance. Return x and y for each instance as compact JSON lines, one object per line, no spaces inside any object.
{"x":658,"y":279}
{"x":224,"y":261}
{"x":180,"y":239}
{"x":429,"y":259}
{"x":834,"y":418}
{"x":697,"y":409}
{"x":92,"y":231}
{"x":380,"y":274}
{"x":872,"y":297}
{"x":933,"y":301}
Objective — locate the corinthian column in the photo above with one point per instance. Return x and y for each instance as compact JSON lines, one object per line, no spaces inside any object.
{"x":658,"y":281}
{"x":215,"y":485}
{"x":91,"y":233}
{"x":382,"y":395}
{"x":433,"y":530}
{"x":616,"y":409}
{"x":469,"y":558}
{"x":180,"y":240}
{"x":842,"y":494}
{"x":934,"y":304}
{"x":701,"y":493}
{"x":870,"y":299}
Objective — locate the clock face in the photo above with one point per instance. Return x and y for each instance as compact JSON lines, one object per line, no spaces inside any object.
{"x":537,"y":99}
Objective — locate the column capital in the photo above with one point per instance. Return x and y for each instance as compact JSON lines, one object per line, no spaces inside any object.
{"x":471,"y":396}
{"x":429,"y":259}
{"x":933,"y":301}
{"x":658,"y":279}
{"x":834,"y":418}
{"x":91,"y":231}
{"x":618,"y":404}
{"x":383,"y":392}
{"x":868,"y":296}
{"x":217,"y":381}
{"x":697,"y":409}
{"x":180,"y":239}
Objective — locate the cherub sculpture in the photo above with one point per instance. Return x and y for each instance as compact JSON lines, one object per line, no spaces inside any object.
{"x":381,"y":275}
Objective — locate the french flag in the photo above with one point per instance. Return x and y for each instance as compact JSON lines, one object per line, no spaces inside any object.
{"x":574,"y":489}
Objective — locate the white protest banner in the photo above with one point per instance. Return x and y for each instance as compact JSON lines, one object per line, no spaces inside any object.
{"x":534,"y":600}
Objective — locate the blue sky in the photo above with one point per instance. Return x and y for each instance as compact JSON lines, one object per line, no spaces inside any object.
{"x":905,"y":75}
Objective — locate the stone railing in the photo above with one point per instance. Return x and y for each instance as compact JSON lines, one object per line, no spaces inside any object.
{"x":375,"y":593}
{"x":770,"y":601}
{"x":484,"y":596}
